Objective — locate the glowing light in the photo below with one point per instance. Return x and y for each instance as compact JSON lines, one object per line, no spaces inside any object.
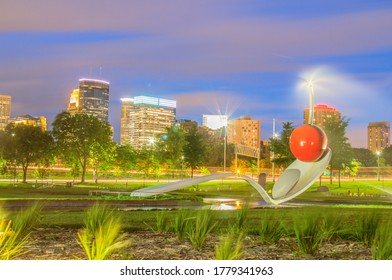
{"x":215,"y":121}
{"x":93,"y":80}
{"x":142,"y":99}
{"x":126,"y":99}
{"x":74,"y":98}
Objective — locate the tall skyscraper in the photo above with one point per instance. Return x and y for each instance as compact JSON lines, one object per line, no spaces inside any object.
{"x":244,"y":131}
{"x":5,"y":110}
{"x":92,"y":97}
{"x":30,"y":120}
{"x":322,"y":113}
{"x":378,"y":136}
{"x":143,"y":117}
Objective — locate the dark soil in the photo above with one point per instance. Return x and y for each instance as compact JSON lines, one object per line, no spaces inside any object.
{"x":62,"y":244}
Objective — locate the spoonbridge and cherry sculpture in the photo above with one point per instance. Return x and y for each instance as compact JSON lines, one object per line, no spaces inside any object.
{"x":308,"y":143}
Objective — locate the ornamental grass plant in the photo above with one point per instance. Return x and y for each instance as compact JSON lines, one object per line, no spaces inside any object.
{"x":180,"y":223}
{"x":230,"y":246}
{"x":15,"y":233}
{"x":242,"y":215}
{"x":309,"y":233}
{"x":270,"y":230}
{"x":101,"y":236}
{"x":382,"y":243}
{"x":199,"y":227}
{"x":366,"y":226}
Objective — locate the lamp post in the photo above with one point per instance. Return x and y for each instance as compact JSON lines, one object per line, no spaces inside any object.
{"x":378,"y":165}
{"x":273,"y":154}
{"x":224,"y":120}
{"x":224,"y":148}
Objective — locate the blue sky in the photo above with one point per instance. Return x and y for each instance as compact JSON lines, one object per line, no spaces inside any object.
{"x":243,"y":57}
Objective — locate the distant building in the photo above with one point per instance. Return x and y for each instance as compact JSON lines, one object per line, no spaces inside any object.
{"x":143,"y":117}
{"x":378,"y":136}
{"x":322,"y":113}
{"x":215,"y":121}
{"x":30,"y":120}
{"x":244,"y":131}
{"x":5,"y":110}
{"x":92,"y":97}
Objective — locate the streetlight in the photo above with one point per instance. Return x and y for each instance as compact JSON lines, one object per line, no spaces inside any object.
{"x":273,"y":154}
{"x":224,"y":121}
{"x":378,"y":165}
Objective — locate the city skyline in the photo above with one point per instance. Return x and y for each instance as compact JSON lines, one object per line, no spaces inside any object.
{"x":241,"y":58}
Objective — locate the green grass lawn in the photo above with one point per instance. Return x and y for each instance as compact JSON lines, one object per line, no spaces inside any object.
{"x":221,"y":188}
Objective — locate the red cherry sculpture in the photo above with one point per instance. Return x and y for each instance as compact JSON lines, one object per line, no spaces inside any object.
{"x":308,"y":143}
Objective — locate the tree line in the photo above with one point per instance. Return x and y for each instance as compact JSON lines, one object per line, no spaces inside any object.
{"x":82,"y":141}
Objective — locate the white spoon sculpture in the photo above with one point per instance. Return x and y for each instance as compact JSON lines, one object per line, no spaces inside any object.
{"x":308,"y":143}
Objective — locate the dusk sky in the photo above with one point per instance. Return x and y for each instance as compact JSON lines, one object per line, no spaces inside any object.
{"x":241,"y":57}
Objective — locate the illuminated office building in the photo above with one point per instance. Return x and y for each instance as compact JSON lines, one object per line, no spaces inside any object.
{"x":244,"y":131}
{"x":92,"y":97}
{"x":214,"y":121}
{"x":322,"y":113}
{"x":378,"y":136}
{"x":30,"y":120}
{"x":5,"y":110}
{"x":143,"y":117}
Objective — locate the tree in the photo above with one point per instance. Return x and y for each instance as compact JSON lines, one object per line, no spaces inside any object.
{"x":146,"y":162}
{"x":214,"y":141}
{"x":194,"y":149}
{"x":335,"y":129}
{"x":102,"y":158}
{"x":26,"y":145}
{"x":281,"y":146}
{"x":125,"y":157}
{"x":169,"y":146}
{"x":365,"y":157}
{"x":387,"y":155}
{"x":80,"y":138}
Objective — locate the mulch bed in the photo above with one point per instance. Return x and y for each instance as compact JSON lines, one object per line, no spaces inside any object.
{"x":62,"y":244}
